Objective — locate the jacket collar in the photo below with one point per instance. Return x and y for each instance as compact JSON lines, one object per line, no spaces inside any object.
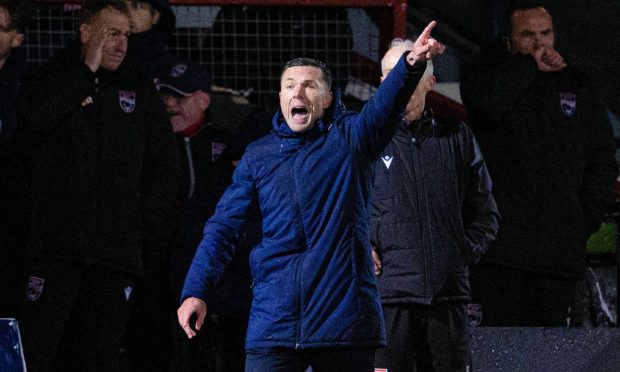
{"x":425,"y":126}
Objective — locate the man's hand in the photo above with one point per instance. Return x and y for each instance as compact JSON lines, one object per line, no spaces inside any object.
{"x":376,"y":260}
{"x":425,"y":47}
{"x":191,"y":307}
{"x":548,"y":59}
{"x":94,"y":47}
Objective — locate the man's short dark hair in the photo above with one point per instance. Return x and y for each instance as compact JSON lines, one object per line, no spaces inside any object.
{"x":524,"y":5}
{"x":19,"y":12}
{"x":92,"y":8}
{"x":327,"y":76}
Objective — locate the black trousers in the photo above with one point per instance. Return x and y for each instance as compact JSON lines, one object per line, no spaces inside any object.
{"x":321,"y":360}
{"x":73,"y":316}
{"x":516,"y":298}
{"x":425,"y":338}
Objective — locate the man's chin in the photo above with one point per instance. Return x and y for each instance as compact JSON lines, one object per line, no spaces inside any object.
{"x":300,"y":127}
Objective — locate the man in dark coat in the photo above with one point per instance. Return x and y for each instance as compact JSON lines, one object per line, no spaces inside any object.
{"x":550,"y":151}
{"x":13,"y":21}
{"x":432,"y":216}
{"x":103,"y":172}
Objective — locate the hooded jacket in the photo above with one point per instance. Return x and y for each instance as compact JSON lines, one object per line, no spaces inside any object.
{"x":103,"y":167}
{"x":432,"y":212}
{"x":313,"y":280}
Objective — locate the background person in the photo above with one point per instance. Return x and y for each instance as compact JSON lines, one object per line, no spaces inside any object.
{"x":152,"y":24}
{"x":14,"y":15}
{"x":549,"y":148}
{"x":103,"y":172}
{"x":425,"y":237}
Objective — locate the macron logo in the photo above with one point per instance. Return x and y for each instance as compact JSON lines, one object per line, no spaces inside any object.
{"x":387,"y":160}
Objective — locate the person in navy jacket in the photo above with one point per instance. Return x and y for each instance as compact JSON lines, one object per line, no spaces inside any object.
{"x":315,"y":296}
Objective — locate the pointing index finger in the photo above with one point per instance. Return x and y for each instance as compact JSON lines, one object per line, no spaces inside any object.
{"x":426,"y":34}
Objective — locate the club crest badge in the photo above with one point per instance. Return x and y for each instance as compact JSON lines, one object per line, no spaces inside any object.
{"x":178,"y":70}
{"x":474,"y":314}
{"x":217,"y":149}
{"x":127,"y":100}
{"x":568,"y":102}
{"x":35,"y":288}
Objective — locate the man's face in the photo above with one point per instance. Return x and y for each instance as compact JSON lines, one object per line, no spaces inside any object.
{"x":415,"y":105}
{"x":390,"y":59}
{"x":9,"y":37}
{"x":304,"y":96}
{"x":143,"y":16}
{"x":115,"y":28}
{"x":185,"y":111}
{"x":531,"y":29}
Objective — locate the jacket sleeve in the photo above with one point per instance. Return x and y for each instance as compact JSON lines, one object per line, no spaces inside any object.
{"x":490,"y":88}
{"x":371,"y":130}
{"x":480,"y":215}
{"x":52,"y":94}
{"x":159,"y":184}
{"x":601,"y":168}
{"x":221,"y":234}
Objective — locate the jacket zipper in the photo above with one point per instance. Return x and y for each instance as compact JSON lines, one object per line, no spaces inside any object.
{"x":420,"y":198}
{"x":298,"y":277}
{"x":190,"y":167}
{"x":298,"y":280}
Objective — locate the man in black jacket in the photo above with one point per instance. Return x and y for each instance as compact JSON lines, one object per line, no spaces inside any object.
{"x":103,"y":173}
{"x":432,"y":216}
{"x":13,"y":21}
{"x":550,"y":151}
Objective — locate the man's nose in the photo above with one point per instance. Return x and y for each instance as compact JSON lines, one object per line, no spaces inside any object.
{"x":121,"y":45}
{"x":169,"y":101}
{"x":299,"y":90}
{"x":538,"y":42}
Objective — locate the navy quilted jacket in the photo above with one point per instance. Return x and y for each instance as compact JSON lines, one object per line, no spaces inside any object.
{"x":313,"y":281}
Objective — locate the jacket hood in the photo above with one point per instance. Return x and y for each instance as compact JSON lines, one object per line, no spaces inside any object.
{"x":322,"y":125}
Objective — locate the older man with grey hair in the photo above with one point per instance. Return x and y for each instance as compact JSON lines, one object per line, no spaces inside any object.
{"x":431,"y":217}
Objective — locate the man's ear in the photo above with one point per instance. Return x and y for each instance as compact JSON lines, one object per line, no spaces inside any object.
{"x":156,"y":17}
{"x":204,"y":99}
{"x":85,"y":33}
{"x":17,"y":40}
{"x":327,"y":100}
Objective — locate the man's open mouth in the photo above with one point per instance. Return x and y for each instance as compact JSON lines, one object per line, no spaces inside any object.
{"x":299,"y":112}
